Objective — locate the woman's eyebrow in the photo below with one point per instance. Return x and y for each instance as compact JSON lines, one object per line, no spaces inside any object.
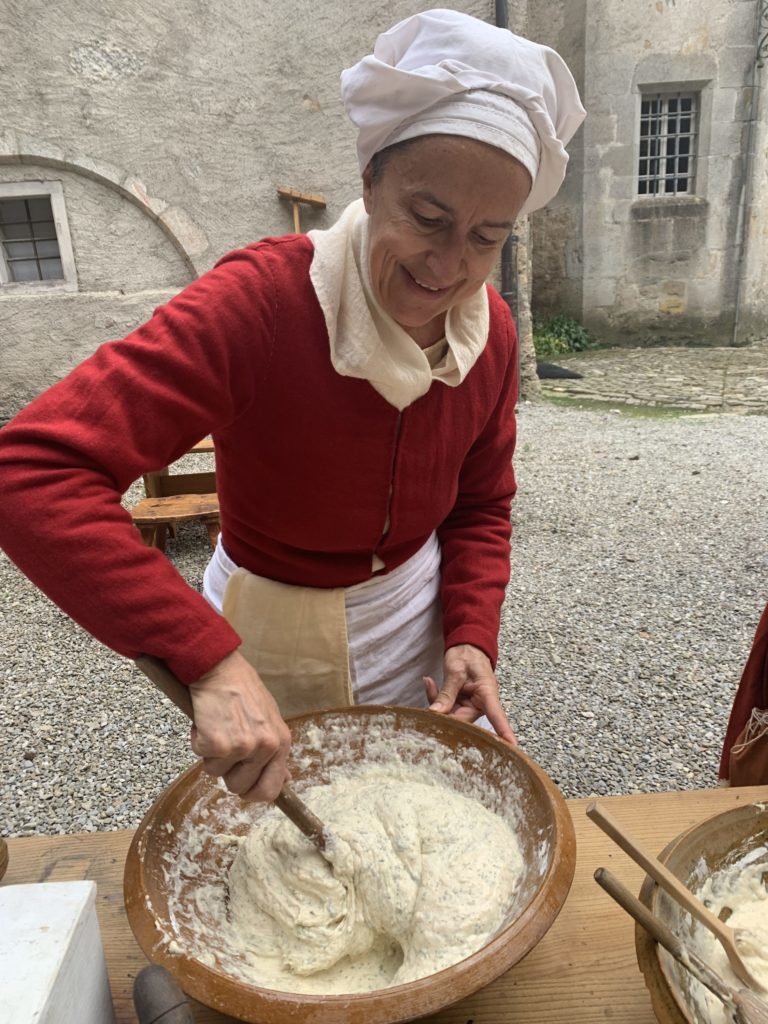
{"x":428,"y":197}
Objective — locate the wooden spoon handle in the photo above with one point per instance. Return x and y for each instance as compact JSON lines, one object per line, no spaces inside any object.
{"x":165,"y":680}
{"x":663,"y":935}
{"x":661,"y":874}
{"x":293,"y":807}
{"x":289,"y":803}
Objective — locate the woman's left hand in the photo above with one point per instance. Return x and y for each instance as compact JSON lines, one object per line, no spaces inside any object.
{"x":469,"y":690}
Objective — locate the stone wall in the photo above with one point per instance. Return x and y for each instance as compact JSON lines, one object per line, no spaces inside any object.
{"x":658,"y":269}
{"x":172,"y":124}
{"x":557,"y":232}
{"x":753,"y":309}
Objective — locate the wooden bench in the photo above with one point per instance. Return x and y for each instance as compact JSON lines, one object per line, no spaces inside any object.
{"x":153,"y":516}
{"x":174,"y":498}
{"x":168,"y":485}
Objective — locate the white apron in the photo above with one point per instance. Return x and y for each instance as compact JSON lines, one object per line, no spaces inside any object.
{"x":314,"y":648}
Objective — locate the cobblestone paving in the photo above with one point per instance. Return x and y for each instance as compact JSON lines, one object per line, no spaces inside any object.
{"x":704,"y":379}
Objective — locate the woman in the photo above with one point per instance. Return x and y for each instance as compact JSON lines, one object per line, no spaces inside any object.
{"x":360,"y":386}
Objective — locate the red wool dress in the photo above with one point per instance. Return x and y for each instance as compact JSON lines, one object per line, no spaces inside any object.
{"x":310,"y":464}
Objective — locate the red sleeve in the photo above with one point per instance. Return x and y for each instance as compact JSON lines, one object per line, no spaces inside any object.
{"x":136,"y":405}
{"x":475,"y":536}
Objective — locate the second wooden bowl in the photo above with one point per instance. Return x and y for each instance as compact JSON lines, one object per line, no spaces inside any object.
{"x":711,"y":845}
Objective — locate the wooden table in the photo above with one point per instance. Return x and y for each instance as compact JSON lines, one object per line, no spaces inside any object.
{"x":584,"y":971}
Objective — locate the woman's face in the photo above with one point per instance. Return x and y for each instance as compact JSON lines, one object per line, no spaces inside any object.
{"x":439,"y":214}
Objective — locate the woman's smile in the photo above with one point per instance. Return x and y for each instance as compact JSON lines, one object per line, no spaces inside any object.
{"x":422,"y":285}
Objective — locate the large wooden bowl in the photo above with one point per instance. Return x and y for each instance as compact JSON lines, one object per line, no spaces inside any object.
{"x":711,"y":845}
{"x":471,"y":760}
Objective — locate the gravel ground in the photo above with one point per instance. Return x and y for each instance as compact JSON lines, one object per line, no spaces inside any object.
{"x":640,"y":567}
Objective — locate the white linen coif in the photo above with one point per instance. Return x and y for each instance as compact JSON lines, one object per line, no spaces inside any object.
{"x":429,"y":73}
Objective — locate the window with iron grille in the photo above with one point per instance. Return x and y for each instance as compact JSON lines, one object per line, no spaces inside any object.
{"x":35,"y":247}
{"x":28,"y":238}
{"x":668,"y":131}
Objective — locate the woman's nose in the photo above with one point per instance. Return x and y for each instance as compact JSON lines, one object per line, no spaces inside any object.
{"x":445,"y":260}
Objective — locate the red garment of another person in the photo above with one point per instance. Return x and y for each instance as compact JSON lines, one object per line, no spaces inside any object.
{"x":752,"y":693}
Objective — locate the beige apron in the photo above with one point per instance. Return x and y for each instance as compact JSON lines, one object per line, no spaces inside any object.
{"x":295,"y":638}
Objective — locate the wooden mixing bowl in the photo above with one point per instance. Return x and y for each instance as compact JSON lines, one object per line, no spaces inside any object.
{"x":470,"y":760}
{"x":711,"y":845}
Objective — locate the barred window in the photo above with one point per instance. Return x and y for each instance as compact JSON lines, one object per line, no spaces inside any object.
{"x":668,"y":127}
{"x":35,"y":244}
{"x":28,"y":238}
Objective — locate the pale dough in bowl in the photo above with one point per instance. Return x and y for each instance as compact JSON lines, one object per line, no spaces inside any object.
{"x":419,"y":878}
{"x":437,"y":849}
{"x":743,"y":889}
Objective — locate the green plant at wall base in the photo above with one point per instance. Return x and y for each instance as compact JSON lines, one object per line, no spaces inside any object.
{"x":560,"y":335}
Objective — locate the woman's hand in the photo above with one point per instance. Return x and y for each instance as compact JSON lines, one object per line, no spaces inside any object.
{"x":238,"y":730}
{"x":469,"y":690}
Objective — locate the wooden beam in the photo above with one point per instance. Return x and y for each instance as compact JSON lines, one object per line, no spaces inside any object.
{"x":309,"y":198}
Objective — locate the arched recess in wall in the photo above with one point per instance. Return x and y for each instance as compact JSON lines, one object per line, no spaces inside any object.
{"x":186,"y":236}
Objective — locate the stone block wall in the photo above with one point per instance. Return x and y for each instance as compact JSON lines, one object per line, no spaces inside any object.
{"x":753,"y":306}
{"x":557,"y":232}
{"x":660,"y":269}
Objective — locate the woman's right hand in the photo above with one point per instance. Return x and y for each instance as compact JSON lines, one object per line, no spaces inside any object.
{"x":239,"y":731}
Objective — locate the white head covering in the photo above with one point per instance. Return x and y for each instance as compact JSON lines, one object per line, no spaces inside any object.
{"x":444,"y":72}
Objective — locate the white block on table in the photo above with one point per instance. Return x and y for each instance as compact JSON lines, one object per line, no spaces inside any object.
{"x":52,"y":965}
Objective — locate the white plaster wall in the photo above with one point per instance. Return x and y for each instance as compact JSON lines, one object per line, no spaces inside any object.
{"x":211,"y":104}
{"x":42,"y":339}
{"x":126,"y":266}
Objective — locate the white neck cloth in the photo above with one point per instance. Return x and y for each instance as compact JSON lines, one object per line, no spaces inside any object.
{"x":365,"y":342}
{"x":407,"y":87}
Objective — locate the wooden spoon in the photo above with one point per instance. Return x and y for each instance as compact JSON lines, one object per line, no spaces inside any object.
{"x":290,"y":804}
{"x":749,"y":1009}
{"x":660,"y":873}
